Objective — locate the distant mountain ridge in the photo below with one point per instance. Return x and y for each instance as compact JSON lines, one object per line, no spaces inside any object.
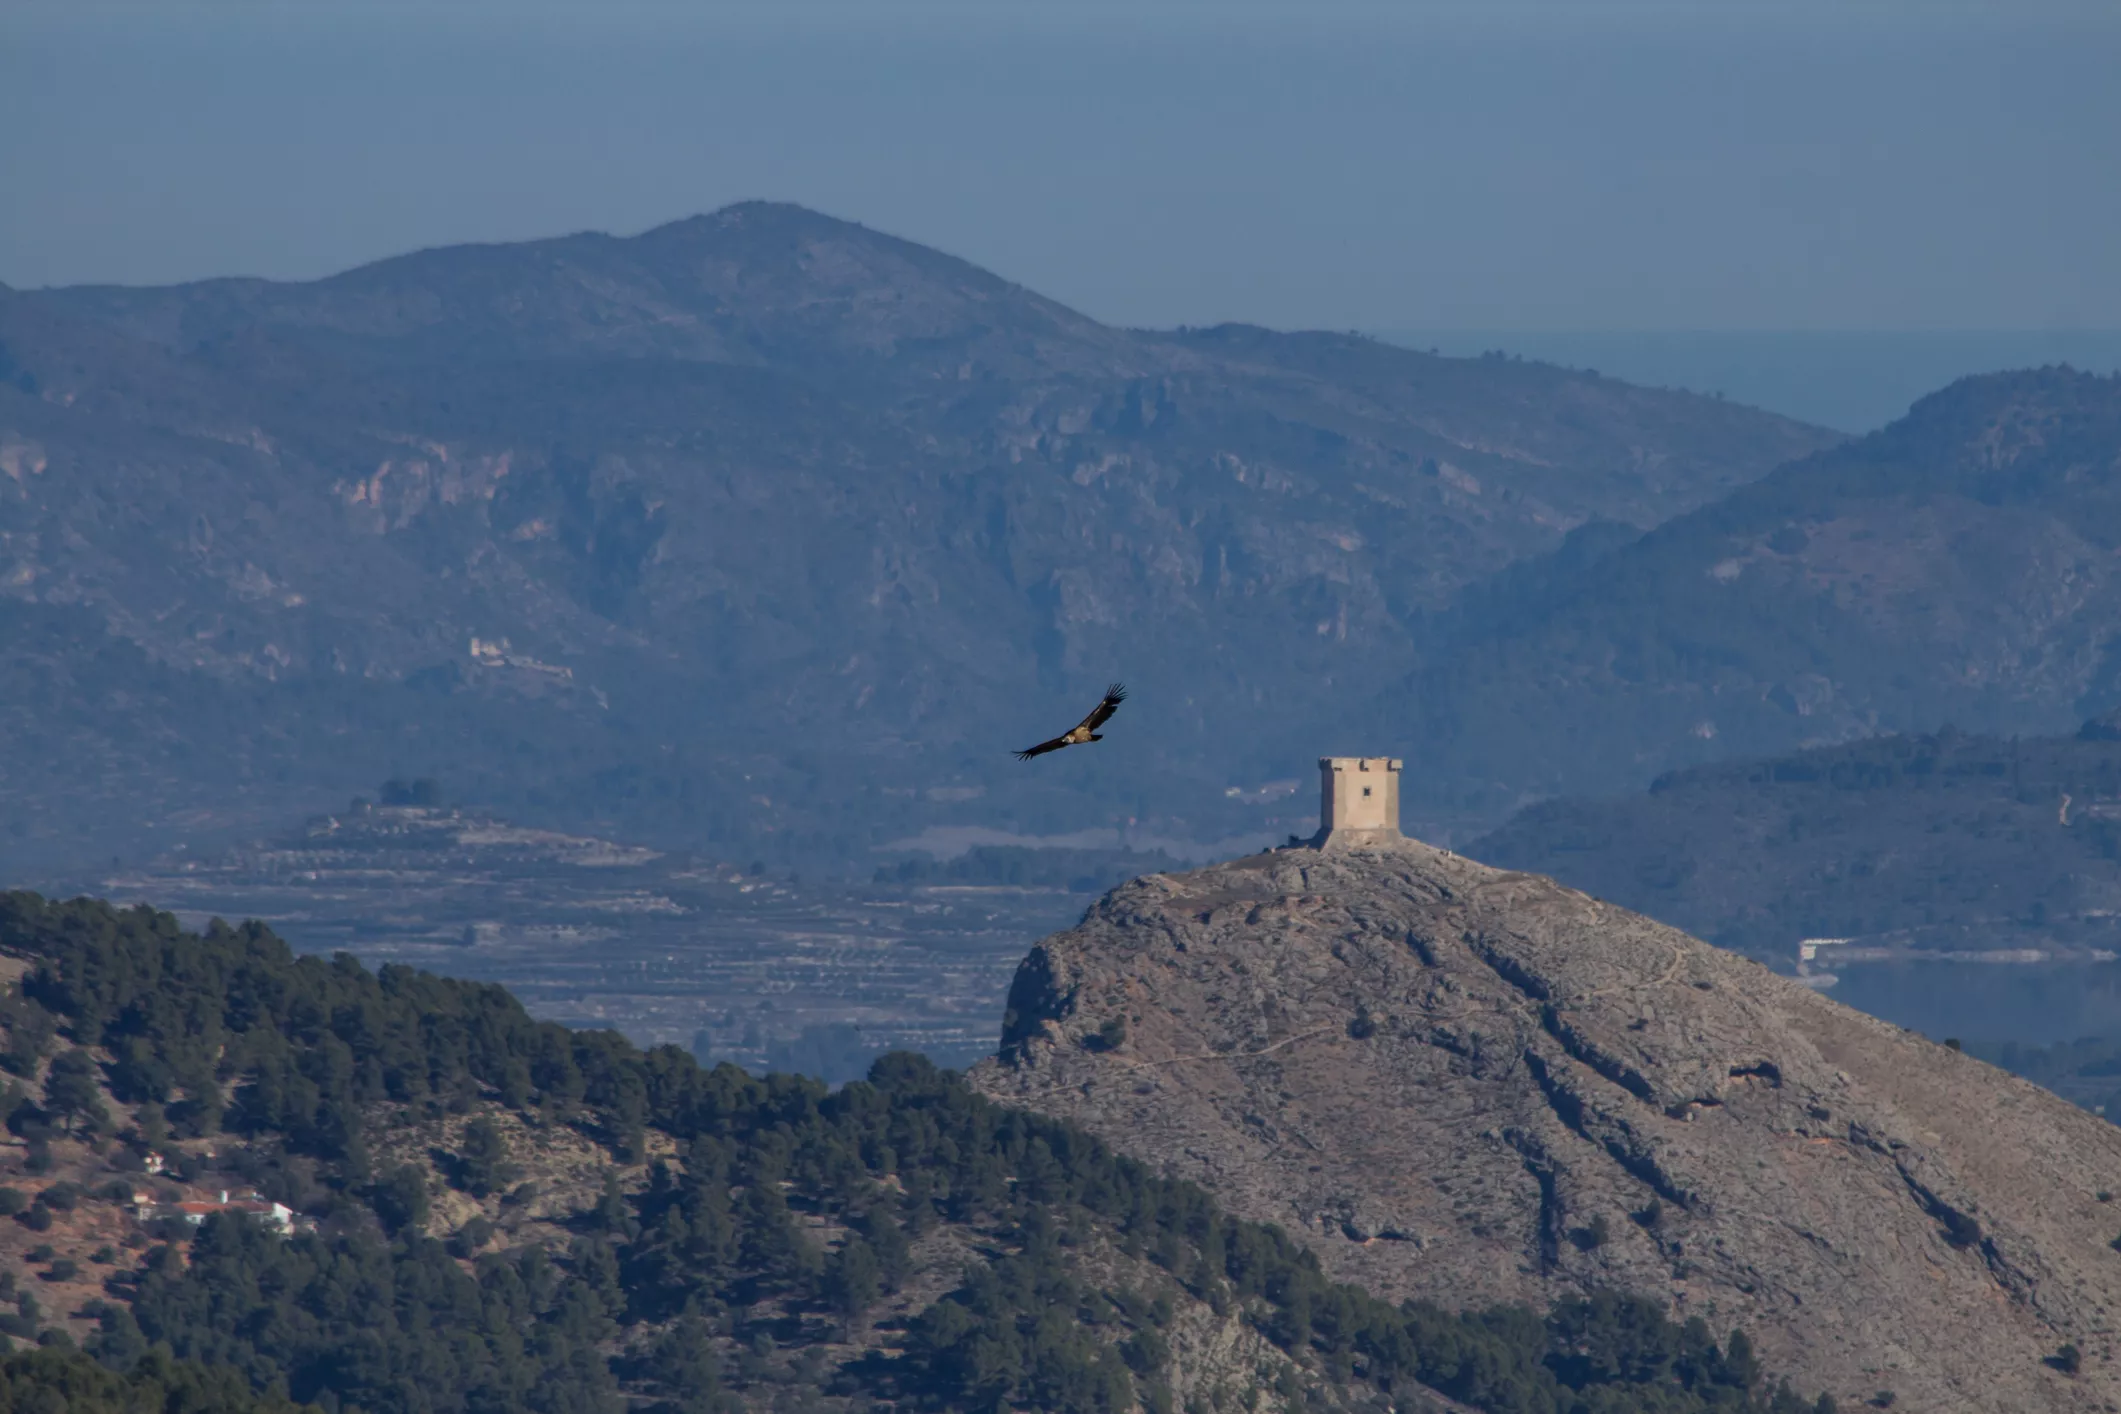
{"x":1856,"y":380}
{"x":753,"y":284}
{"x":1959,"y":566}
{"x":1967,"y":886}
{"x":1931,"y":843}
{"x":670,"y":531}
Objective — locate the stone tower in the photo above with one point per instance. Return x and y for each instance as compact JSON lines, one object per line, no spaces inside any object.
{"x":1358,"y":800}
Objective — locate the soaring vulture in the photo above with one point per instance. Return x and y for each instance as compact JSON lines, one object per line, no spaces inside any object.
{"x":1085,"y":730}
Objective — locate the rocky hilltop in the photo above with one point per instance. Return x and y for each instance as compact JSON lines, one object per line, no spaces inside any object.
{"x":1463,"y":1083}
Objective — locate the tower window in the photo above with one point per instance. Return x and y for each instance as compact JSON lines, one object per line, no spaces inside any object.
{"x":1365,"y":792}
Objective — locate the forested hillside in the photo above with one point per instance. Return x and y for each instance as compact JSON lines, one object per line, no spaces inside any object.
{"x":65,"y":1381}
{"x":605,"y":1228}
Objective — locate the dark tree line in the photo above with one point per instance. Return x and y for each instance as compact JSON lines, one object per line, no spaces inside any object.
{"x":63,"y":1381}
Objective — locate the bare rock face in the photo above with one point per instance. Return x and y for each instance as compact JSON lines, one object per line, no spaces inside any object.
{"x":1470,"y":1085}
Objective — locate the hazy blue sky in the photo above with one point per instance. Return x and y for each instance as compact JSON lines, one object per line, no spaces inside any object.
{"x":1900,"y":164}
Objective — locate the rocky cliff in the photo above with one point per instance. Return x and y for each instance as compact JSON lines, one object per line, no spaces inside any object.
{"x":1463,"y":1083}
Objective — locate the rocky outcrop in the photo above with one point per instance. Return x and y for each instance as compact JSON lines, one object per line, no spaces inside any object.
{"x":1472,"y":1085}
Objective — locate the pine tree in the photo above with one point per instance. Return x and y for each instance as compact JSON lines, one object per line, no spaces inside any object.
{"x":70,"y":1091}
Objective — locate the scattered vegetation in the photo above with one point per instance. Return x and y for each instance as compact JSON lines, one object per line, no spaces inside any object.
{"x":1593,"y":1234}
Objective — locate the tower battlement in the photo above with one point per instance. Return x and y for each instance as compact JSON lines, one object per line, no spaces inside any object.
{"x":1358,"y":800}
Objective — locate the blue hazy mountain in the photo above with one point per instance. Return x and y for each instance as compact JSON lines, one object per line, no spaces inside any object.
{"x":1961,"y":566}
{"x":758,"y":531}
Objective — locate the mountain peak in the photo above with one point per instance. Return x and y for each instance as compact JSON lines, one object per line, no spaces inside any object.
{"x":757,"y":215}
{"x":753,"y":282}
{"x":1456,"y":1079}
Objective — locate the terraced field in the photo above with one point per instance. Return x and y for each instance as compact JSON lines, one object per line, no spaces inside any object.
{"x":665,"y":948}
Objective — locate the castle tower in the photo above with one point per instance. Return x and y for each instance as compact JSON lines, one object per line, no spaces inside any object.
{"x":1358,"y":800}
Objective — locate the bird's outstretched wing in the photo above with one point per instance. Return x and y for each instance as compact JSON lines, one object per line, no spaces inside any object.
{"x":1102,"y":712}
{"x":1082,"y":731}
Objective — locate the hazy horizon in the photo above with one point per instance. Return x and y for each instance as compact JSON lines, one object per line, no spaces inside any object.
{"x":1852,"y":380}
{"x":1678,"y":167}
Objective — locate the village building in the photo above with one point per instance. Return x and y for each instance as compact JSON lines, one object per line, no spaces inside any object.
{"x":277,"y":1216}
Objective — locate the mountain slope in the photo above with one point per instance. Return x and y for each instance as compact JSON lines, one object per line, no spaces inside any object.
{"x":1451,"y":1078}
{"x":478,"y":1211}
{"x":759,"y":500}
{"x":1958,"y":566}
